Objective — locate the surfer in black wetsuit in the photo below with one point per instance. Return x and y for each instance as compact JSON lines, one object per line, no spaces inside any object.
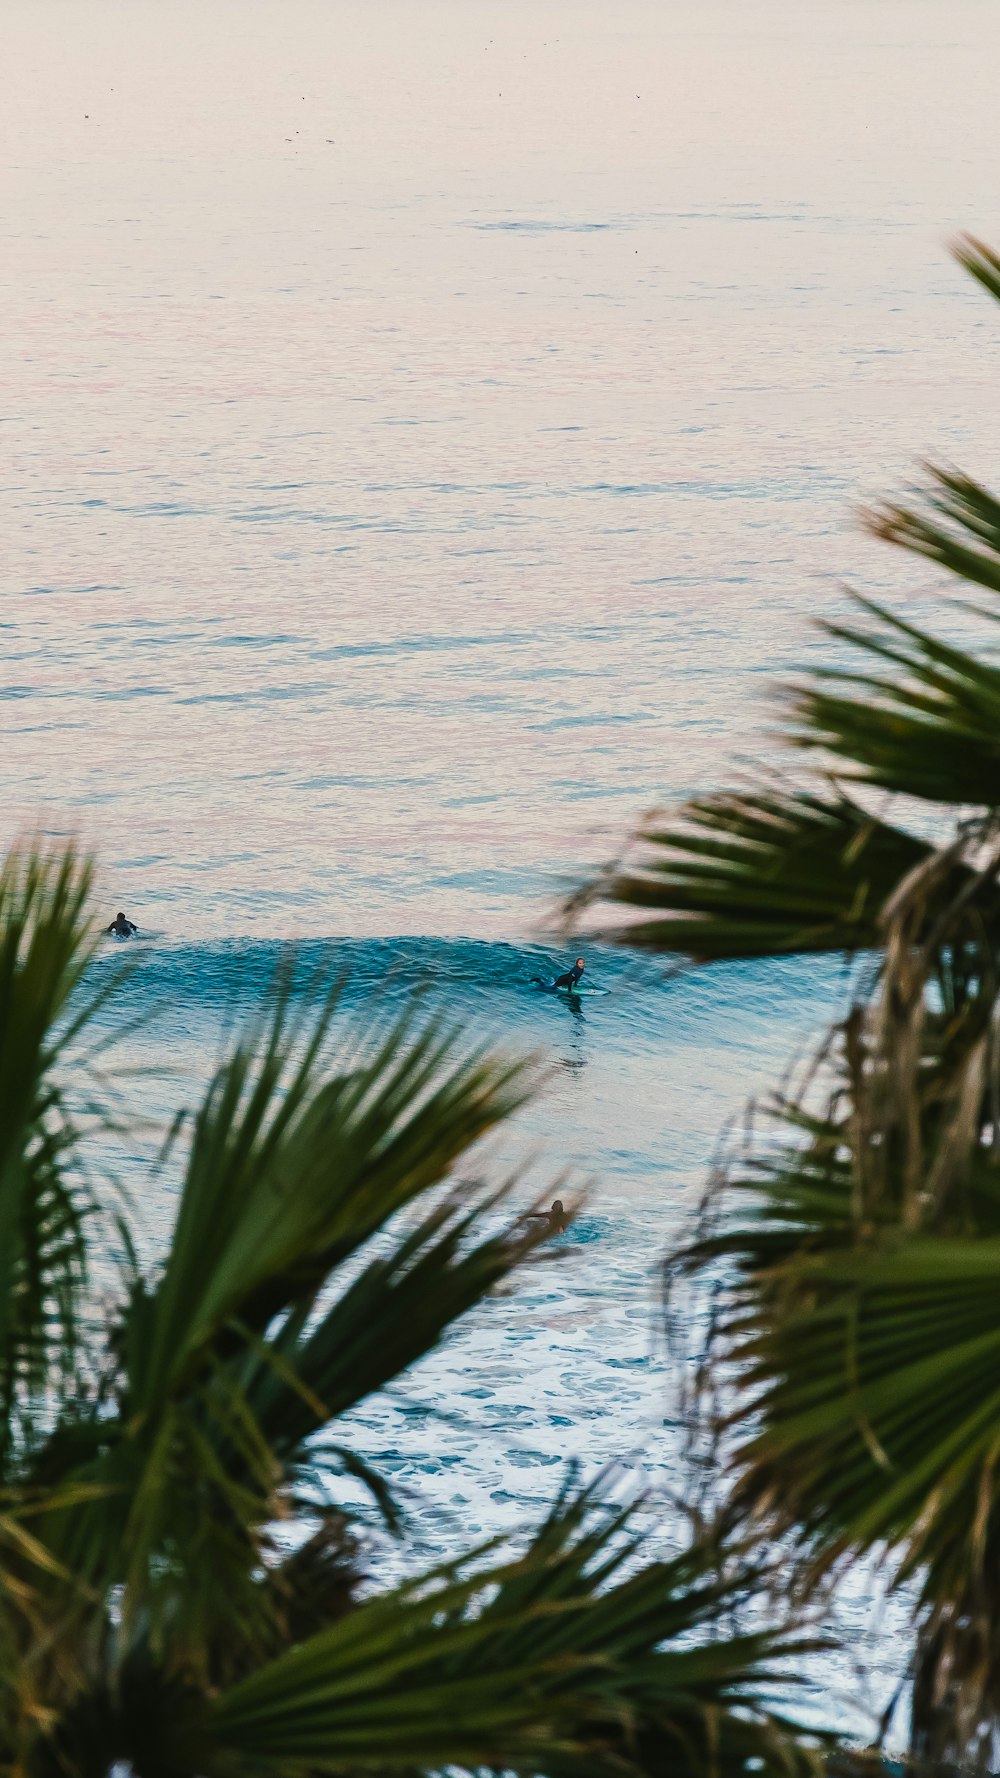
{"x":122,"y":928}
{"x":571,"y":977}
{"x":568,"y":979}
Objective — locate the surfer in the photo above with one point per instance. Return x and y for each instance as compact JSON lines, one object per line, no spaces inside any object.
{"x":556,"y":1220}
{"x":122,"y":928}
{"x":569,"y":979}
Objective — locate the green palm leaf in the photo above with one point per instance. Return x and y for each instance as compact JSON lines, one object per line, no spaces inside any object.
{"x":778,"y":870}
{"x":849,"y":1263}
{"x":559,"y":1662}
{"x":152,"y":1607}
{"x":852,"y":1262}
{"x":394,"y":1310}
{"x":755,"y":874}
{"x":569,"y":1658}
{"x":46,"y":942}
{"x":956,"y":526}
{"x":867,"y":1416}
{"x":232,"y":1362}
{"x":878,"y":1366}
{"x":928,"y":727}
{"x":291,"y":1171}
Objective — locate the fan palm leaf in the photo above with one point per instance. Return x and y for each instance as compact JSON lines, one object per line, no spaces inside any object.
{"x":925,"y":722}
{"x":560,"y":1660}
{"x":848,"y":1386}
{"x":229,"y":1365}
{"x":911,"y":713}
{"x":762,"y":873}
{"x":46,"y":942}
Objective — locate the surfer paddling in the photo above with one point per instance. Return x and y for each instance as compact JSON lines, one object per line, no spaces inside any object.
{"x":122,"y":928}
{"x":556,"y":1221}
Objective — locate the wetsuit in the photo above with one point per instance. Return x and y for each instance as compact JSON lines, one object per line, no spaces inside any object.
{"x":122,"y":928}
{"x":570,"y":978}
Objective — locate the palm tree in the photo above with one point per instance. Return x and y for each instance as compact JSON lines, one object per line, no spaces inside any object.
{"x":858,"y":1245}
{"x":180,"y":1592}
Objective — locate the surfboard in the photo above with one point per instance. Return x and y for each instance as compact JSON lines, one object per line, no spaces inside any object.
{"x":571,"y":993}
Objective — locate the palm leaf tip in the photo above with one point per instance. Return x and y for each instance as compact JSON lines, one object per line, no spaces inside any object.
{"x":916,"y":716}
{"x":953,"y":522}
{"x":980,"y":261}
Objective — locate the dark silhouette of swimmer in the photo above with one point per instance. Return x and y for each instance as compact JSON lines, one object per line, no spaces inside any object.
{"x":568,"y":979}
{"x":121,"y":927}
{"x":555,"y":1219}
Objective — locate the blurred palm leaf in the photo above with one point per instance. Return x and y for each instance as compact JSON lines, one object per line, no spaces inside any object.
{"x":45,"y":945}
{"x":291,"y":1171}
{"x":781,"y":870}
{"x":862,"y":1408}
{"x":561,"y":1661}
{"x":229,"y":1365}
{"x":850,"y":1258}
{"x":879,"y":1367}
{"x":956,"y":526}
{"x":760,"y":873}
{"x":393,"y":1312}
{"x":981,"y":261}
{"x":179,"y":1590}
{"x":925,"y":722}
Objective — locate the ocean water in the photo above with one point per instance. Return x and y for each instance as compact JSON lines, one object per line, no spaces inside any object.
{"x":427,"y":430}
{"x":428,"y":426}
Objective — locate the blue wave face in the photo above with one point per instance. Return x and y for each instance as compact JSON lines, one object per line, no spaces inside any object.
{"x":644,"y":1071}
{"x":639,"y":1078}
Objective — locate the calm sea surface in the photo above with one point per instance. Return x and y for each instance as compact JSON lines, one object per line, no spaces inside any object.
{"x":425,"y":431}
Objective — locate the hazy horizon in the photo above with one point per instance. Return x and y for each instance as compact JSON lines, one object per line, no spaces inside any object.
{"x":428,"y":427}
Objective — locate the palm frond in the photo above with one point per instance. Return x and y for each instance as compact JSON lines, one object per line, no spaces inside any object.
{"x":46,"y":942}
{"x":867,"y":1418}
{"x":925,"y":721}
{"x":955,"y":523}
{"x":980,"y":261}
{"x":856,"y":1249}
{"x":290,"y":1173}
{"x":392,"y":1313}
{"x":563,"y":1661}
{"x":761,"y":873}
{"x":230,"y":1365}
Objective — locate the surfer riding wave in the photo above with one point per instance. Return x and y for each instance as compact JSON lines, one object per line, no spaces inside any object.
{"x":569,"y":979}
